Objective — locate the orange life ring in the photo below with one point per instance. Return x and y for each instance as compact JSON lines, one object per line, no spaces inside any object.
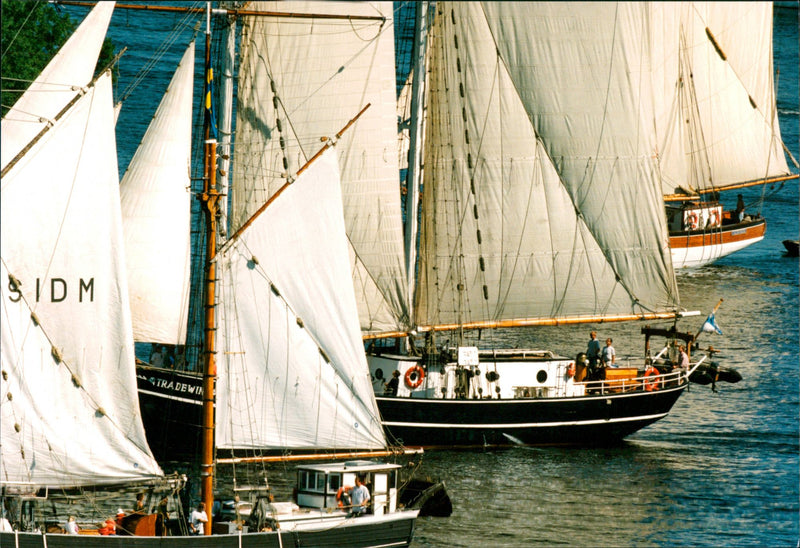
{"x":571,"y":370}
{"x":714,"y":218}
{"x":342,"y":493}
{"x":414,"y":376}
{"x":691,"y":220}
{"x":651,"y":379}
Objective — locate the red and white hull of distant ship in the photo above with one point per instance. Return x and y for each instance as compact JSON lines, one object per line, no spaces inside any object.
{"x":697,"y":248}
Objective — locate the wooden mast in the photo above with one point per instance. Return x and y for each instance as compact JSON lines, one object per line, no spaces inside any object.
{"x":208,"y":202}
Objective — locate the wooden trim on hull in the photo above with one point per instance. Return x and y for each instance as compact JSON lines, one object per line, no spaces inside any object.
{"x":696,"y":248}
{"x":585,"y":420}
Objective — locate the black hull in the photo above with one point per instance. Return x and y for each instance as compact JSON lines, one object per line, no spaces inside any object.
{"x":171,"y":404}
{"x":357,"y":533}
{"x":579,"y":421}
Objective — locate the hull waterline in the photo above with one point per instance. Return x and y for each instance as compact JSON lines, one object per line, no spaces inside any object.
{"x":586,"y":420}
{"x":697,"y":248}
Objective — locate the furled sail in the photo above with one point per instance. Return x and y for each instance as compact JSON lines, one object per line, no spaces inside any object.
{"x":541,"y":196}
{"x":292,"y":370}
{"x":68,"y":72}
{"x":72,"y":420}
{"x":303,"y":77}
{"x":716,"y":115}
{"x":156,"y":212}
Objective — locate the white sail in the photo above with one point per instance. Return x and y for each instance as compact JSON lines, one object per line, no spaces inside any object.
{"x":156,"y":212}
{"x":541,"y":195}
{"x":292,"y":373}
{"x":68,"y":72}
{"x":302,"y":78}
{"x":716,"y":117}
{"x":62,"y":239}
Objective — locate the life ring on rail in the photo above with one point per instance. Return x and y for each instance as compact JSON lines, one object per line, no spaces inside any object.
{"x":343,"y":496}
{"x":571,"y":370}
{"x":651,"y":379}
{"x":713,"y":218}
{"x":414,"y":376}
{"x":691,"y":220}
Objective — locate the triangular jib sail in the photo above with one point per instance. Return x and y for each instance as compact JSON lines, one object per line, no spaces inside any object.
{"x":62,"y":240}
{"x":59,"y":83}
{"x":156,"y":210}
{"x":292,"y":368}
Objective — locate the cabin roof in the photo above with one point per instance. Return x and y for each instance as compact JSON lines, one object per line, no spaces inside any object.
{"x":350,"y":466}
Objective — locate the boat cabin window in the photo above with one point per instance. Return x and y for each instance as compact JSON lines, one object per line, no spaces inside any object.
{"x":315,"y":481}
{"x":312,"y":481}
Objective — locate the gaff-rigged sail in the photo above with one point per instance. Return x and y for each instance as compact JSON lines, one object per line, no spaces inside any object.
{"x":715,"y":97}
{"x":72,"y":420}
{"x":299,"y":77}
{"x":156,"y":211}
{"x":292,"y":373}
{"x":541,"y":197}
{"x":60,"y":82}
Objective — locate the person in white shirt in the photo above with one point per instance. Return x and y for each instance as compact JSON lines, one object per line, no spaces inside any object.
{"x":72,"y":526}
{"x":609,"y":355}
{"x":684,"y":358}
{"x":197,"y":520}
{"x":360,"y":497}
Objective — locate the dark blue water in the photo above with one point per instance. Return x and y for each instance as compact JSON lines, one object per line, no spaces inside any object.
{"x":720,"y":470}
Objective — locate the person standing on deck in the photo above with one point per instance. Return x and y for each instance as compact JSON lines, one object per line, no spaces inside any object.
{"x":609,"y":355}
{"x":390,"y":388}
{"x":162,"y":515}
{"x":740,"y":208}
{"x":683,"y":362}
{"x":197,"y":520}
{"x":593,"y":353}
{"x":360,"y":497}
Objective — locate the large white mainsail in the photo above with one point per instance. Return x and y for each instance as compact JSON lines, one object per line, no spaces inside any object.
{"x":72,"y":421}
{"x":65,"y":75}
{"x":292,"y":369}
{"x":541,"y":195}
{"x":299,"y":77}
{"x":156,"y":211}
{"x":716,"y":114}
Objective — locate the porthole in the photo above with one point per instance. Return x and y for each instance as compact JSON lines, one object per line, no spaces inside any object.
{"x":541,"y":376}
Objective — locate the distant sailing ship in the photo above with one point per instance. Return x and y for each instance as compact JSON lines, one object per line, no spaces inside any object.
{"x":717,"y":123}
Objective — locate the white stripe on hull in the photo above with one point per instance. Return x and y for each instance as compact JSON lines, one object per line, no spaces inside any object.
{"x":525,"y":425}
{"x":168,"y":397}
